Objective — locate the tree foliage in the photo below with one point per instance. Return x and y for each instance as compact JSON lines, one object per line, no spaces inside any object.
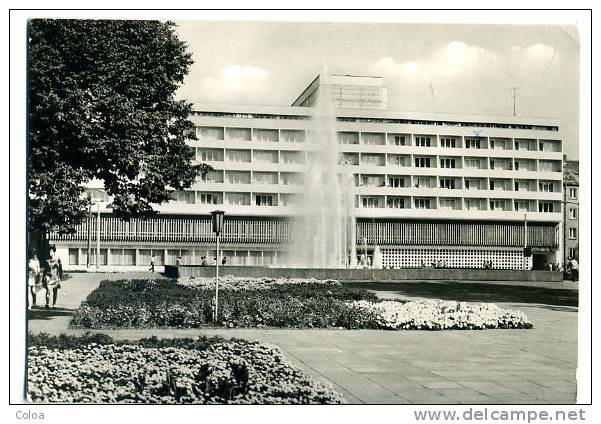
{"x":102,"y":106}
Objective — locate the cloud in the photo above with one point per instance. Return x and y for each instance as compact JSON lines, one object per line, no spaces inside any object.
{"x":451,"y":60}
{"x":388,"y":66}
{"x":234,"y":77}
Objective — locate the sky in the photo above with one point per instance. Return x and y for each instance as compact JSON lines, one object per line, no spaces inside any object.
{"x":468,"y":69}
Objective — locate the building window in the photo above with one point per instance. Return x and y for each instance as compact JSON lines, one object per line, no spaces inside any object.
{"x":572,"y":253}
{"x":239,"y":199}
{"x":497,"y":144}
{"x":370,"y":202}
{"x":373,"y":180}
{"x":522,"y":145}
{"x":546,"y":186}
{"x":422,"y":162}
{"x":448,"y":203}
{"x":292,"y":157}
{"x":424,"y":182}
{"x":447,"y":183}
{"x":266,"y":156}
{"x":447,"y":163}
{"x":573,"y":213}
{"x":397,"y":160}
{"x":472,"y":204}
{"x":73,"y":256}
{"x":396,"y":182}
{"x":184,"y":197}
{"x":238,"y":155}
{"x":472,"y":143}
{"x":422,"y":141}
{"x":398,"y":140}
{"x":209,"y":155}
{"x":522,"y":206}
{"x":522,"y":186}
{"x":572,"y":192}
{"x":265,"y":178}
{"x":421,"y":203}
{"x":373,"y":139}
{"x":264,"y":200}
{"x":448,"y":142}
{"x":472,"y":163}
{"x":209,"y":198}
{"x":348,"y":138}
{"x":498,"y":205}
{"x":396,"y":202}
{"x":472,"y":184}
{"x":212,"y":177}
{"x":545,"y":207}
{"x":372,"y":159}
{"x":572,"y":233}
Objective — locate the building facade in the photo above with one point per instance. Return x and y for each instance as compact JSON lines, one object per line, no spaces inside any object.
{"x":571,"y":209}
{"x":463,"y":190}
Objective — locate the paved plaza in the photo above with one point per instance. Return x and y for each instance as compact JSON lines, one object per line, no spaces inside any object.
{"x":370,"y":366}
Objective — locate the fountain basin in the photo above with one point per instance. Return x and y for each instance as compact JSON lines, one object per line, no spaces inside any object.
{"x":346,"y":274}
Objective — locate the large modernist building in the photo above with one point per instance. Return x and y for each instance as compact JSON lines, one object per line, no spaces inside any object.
{"x":462,"y":189}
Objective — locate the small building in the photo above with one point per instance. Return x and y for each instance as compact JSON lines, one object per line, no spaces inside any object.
{"x":570,"y":210}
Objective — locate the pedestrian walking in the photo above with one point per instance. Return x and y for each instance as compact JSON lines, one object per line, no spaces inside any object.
{"x":178,"y":261}
{"x":224,"y":261}
{"x":33,"y":278}
{"x":152,"y":264}
{"x":51,"y":280}
{"x":204,"y":261}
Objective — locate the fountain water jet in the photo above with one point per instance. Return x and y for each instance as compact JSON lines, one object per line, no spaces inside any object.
{"x":327,"y":220}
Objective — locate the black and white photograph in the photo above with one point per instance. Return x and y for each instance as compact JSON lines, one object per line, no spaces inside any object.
{"x":303,"y":211}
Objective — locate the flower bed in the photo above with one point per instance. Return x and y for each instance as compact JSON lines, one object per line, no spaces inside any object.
{"x":276,"y":303}
{"x":232,"y":283}
{"x":100,"y":370}
{"x":437,"y":315}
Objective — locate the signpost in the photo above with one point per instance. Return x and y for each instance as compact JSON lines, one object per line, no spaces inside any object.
{"x":217,"y":219}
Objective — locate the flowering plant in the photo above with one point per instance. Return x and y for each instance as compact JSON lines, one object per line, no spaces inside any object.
{"x":279,"y":303}
{"x":174,"y":371}
{"x":440,"y":315}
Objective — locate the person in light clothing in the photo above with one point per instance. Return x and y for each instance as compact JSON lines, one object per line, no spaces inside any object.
{"x":33,"y":277}
{"x":51,"y":279}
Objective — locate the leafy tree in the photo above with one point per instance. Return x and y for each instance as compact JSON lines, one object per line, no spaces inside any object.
{"x":101,"y":106}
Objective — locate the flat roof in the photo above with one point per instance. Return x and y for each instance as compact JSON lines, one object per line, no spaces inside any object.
{"x":375,"y":114}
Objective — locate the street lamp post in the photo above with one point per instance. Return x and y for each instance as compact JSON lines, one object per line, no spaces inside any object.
{"x":89,"y":230}
{"x":217,"y":219}
{"x":365,"y":250}
{"x":98,"y":235}
{"x":525,"y":241}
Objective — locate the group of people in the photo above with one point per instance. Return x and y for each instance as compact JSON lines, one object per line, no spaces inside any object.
{"x":46,"y":276}
{"x":204,"y":262}
{"x":179,"y":261}
{"x":434,"y":264}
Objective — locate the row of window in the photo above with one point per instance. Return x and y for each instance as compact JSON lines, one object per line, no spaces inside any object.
{"x":375,"y":159}
{"x":379,"y":120}
{"x":259,"y":177}
{"x":244,"y":199}
{"x":456,"y":204}
{"x":375,"y":139}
